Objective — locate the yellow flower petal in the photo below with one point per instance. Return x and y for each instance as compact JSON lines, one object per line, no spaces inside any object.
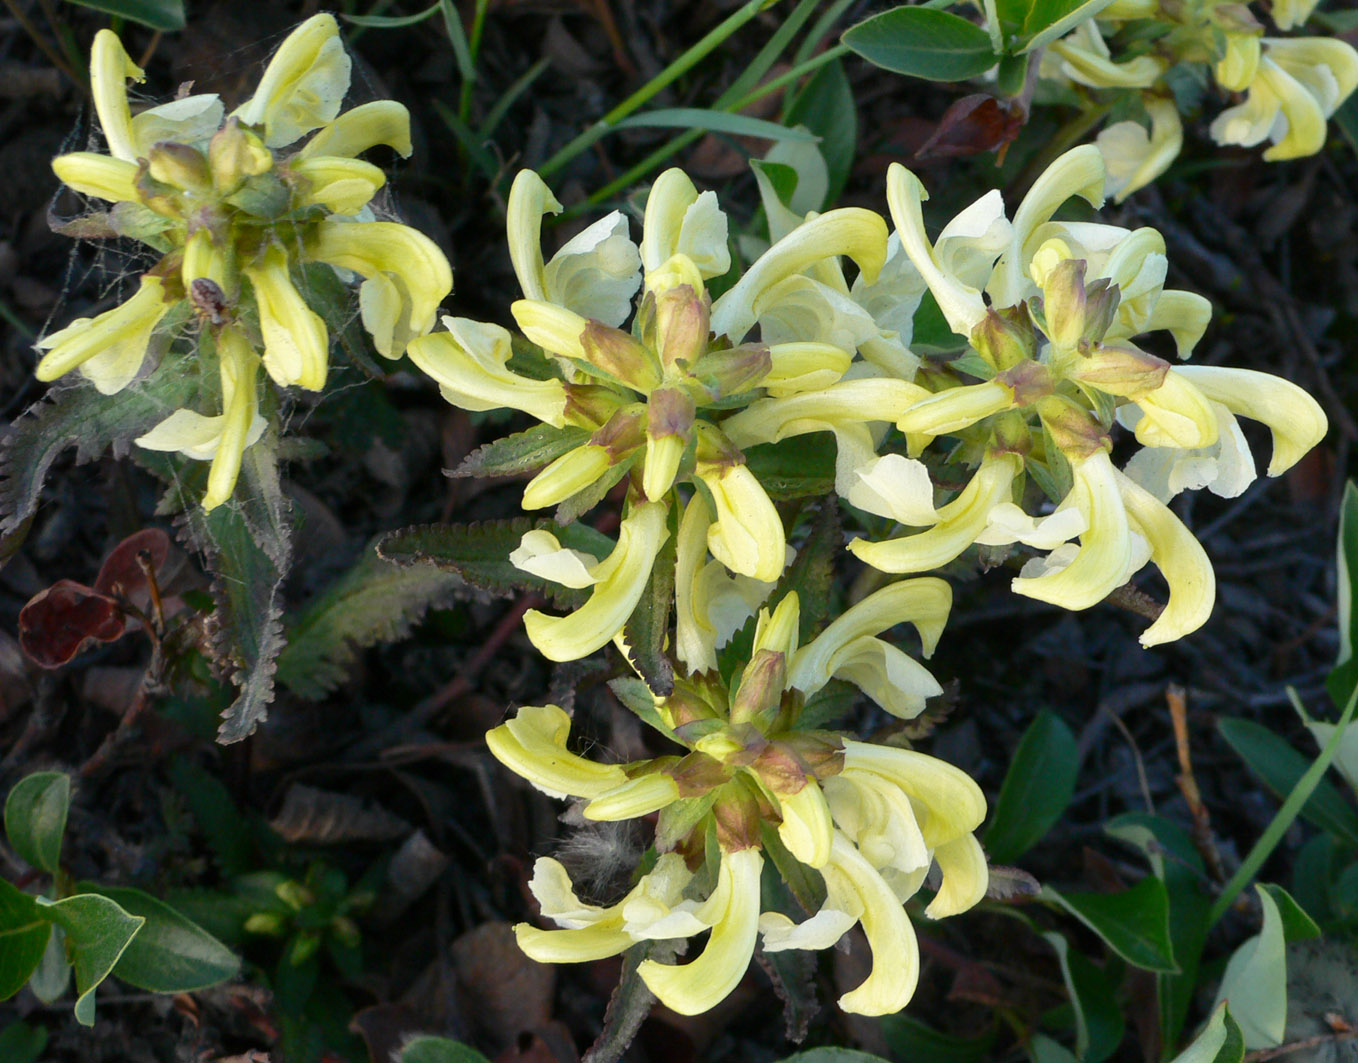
{"x":848,"y":402}
{"x":296,"y":343}
{"x":342,"y":186}
{"x":363,"y":127}
{"x":706,"y":981}
{"x":636,"y":797}
{"x":110,"y":67}
{"x":965,"y":877}
{"x":110,"y":348}
{"x":529,"y":200}
{"x":101,"y":176}
{"x":806,"y":829}
{"x":681,"y":221}
{"x":953,"y":802}
{"x":747,"y":536}
{"x":304,"y":84}
{"x":622,"y":579}
{"x":533,"y":746}
{"x":241,"y":423}
{"x":470,"y":364}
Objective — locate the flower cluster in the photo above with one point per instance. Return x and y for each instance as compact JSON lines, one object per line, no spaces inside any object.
{"x":1291,"y":85}
{"x":871,"y":820}
{"x":238,"y":212}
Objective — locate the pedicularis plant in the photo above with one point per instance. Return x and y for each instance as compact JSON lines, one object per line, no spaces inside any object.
{"x":678,"y":386}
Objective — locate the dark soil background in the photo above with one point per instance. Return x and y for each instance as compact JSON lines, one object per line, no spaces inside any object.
{"x":1274,"y":246}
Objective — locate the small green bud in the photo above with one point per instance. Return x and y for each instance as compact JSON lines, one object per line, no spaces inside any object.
{"x":1005,"y":338}
{"x":294,"y":895}
{"x":729,"y":372}
{"x":682,"y":325}
{"x":1073,"y":429}
{"x":234,"y":155}
{"x":271,"y":924}
{"x":179,"y":165}
{"x":621,"y":356}
{"x":761,"y":689}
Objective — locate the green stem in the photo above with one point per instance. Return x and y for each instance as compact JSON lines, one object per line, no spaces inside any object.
{"x":464,"y":103}
{"x":656,"y":85}
{"x":682,"y":141}
{"x":1269,"y":840}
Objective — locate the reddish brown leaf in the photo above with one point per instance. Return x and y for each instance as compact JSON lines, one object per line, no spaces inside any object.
{"x":57,"y":622}
{"x":975,"y":124}
{"x":121,"y":567}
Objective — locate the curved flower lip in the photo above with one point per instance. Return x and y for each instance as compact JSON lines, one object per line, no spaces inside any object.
{"x":704,"y":982}
{"x":529,"y":200}
{"x":1134,"y":158}
{"x":806,"y":829}
{"x":533,"y":746}
{"x":1100,"y":72}
{"x":342,"y":186}
{"x":101,"y":176}
{"x":847,"y":402}
{"x":1179,"y":556}
{"x":1238,"y":66}
{"x":223,"y":438}
{"x":110,"y":67}
{"x":1177,"y":414}
{"x":747,"y":535}
{"x":860,"y":234}
{"x":956,"y":408}
{"x":108,"y":349}
{"x":622,"y":579}
{"x":966,"y":876}
{"x":636,"y":797}
{"x":879,"y":818}
{"x":895,"y":950}
{"x":960,"y":522}
{"x":540,"y":553}
{"x":407,"y":276}
{"x":1105,"y":551}
{"x":1184,"y":315}
{"x":799,"y":367}
{"x":680,"y":220}
{"x":962,"y":305}
{"x":954,"y":802}
{"x":470,"y":364}
{"x":296,"y":344}
{"x":304,"y":84}
{"x":1296,"y":420}
{"x":922,"y":602}
{"x":363,"y":127}
{"x":897,"y":487}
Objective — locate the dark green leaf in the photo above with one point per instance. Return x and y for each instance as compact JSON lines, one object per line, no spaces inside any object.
{"x":911,"y":1039}
{"x":157,"y":14}
{"x":737,"y":125}
{"x":1345,"y":675}
{"x":521,"y":452}
{"x":228,"y":833}
{"x":1133,"y":923}
{"x":439,"y":1050}
{"x":21,"y":1043}
{"x":1098,"y":1018}
{"x":932,"y":333}
{"x":1297,"y":925}
{"x":35,"y":817}
{"x":23,"y":938}
{"x":1174,"y":859}
{"x":648,"y":628}
{"x":479,"y":553}
{"x":1219,"y":1042}
{"x":170,"y":954}
{"x":1050,"y":19}
{"x":923,"y":42}
{"x":375,"y":601}
{"x":248,"y":548}
{"x":826,"y":107}
{"x":78,"y":416}
{"x":97,"y":933}
{"x":799,"y":467}
{"x":391,"y":22}
{"x":1279,"y":766}
{"x":834,"y":1055}
{"x":1037,"y":788}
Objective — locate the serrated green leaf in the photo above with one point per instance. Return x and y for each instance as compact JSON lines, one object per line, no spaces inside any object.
{"x":23,"y":938}
{"x":637,"y":697}
{"x":157,"y":14}
{"x":98,"y":931}
{"x":911,"y":1039}
{"x":1279,"y":766}
{"x":78,"y":416}
{"x":22,"y":1043}
{"x":1049,"y":19}
{"x":248,"y":547}
{"x":923,"y":42}
{"x":1133,"y":923}
{"x":439,"y":1050}
{"x":374,"y":601}
{"x":826,"y":106}
{"x":1098,"y":1019}
{"x":1037,"y":788}
{"x":170,"y":953}
{"x":479,"y":553}
{"x":521,"y":452}
{"x":647,"y":629}
{"x":35,"y":817}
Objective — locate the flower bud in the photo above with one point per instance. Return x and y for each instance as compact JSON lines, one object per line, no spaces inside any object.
{"x":621,"y":356}
{"x":1076,"y":433}
{"x":698,"y":774}
{"x":761,"y":688}
{"x":729,"y":372}
{"x":235,"y":154}
{"x":1125,"y":371}
{"x":1004,"y":338}
{"x":669,"y":414}
{"x":179,"y":165}
{"x":1063,"y":302}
